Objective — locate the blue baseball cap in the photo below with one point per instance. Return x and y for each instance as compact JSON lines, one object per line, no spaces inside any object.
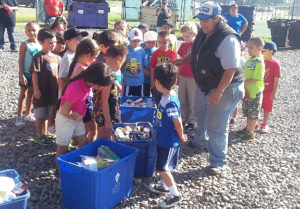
{"x":270,"y":45}
{"x":208,"y":10}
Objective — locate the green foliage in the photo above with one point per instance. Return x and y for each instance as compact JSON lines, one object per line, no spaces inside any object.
{"x":24,"y":18}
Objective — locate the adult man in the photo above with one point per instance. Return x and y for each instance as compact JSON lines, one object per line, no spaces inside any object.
{"x":215,"y":64}
{"x":162,"y":13}
{"x":235,"y":20}
{"x":8,"y":10}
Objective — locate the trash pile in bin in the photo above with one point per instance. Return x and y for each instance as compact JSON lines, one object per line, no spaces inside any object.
{"x":140,"y":102}
{"x":9,"y":190}
{"x":105,"y":158}
{"x":128,"y":133}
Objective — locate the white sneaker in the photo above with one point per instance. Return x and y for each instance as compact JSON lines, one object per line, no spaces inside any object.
{"x":29,"y":118}
{"x":19,"y":121}
{"x":51,"y":129}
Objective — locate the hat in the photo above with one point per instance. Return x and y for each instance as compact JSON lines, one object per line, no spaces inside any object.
{"x":135,"y":34}
{"x":150,"y":36}
{"x":142,"y":25}
{"x":74,"y":32}
{"x":167,"y":22}
{"x":270,"y":45}
{"x":208,"y":10}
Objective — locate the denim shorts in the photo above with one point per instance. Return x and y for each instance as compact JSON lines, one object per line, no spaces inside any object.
{"x":28,"y":84}
{"x":251,"y":106}
{"x":89,"y":110}
{"x":167,"y":158}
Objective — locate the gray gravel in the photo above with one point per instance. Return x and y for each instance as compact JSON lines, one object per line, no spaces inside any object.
{"x":262,"y":174}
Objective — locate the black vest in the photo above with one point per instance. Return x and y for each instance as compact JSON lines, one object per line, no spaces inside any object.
{"x":206,"y":67}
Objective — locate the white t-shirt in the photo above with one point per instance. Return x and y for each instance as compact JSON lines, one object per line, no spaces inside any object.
{"x":65,"y":63}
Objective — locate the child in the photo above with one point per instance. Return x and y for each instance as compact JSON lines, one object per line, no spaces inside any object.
{"x":150,"y":39}
{"x":86,"y":52}
{"x":133,"y":73}
{"x":59,"y":25}
{"x":28,"y":49}
{"x":271,"y":80}
{"x":69,"y":121}
{"x":143,"y":27}
{"x":105,"y":39}
{"x":72,"y":38}
{"x":169,"y":134}
{"x":187,"y":84}
{"x":254,"y":70}
{"x":121,"y":27}
{"x":44,"y":69}
{"x":60,"y":45}
{"x":163,"y":55}
{"x":167,"y":26}
{"x":106,"y":102}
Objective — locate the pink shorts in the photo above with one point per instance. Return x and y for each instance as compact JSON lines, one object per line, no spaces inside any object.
{"x":267,"y":103}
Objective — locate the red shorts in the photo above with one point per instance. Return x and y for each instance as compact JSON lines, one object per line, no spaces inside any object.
{"x":267,"y":103}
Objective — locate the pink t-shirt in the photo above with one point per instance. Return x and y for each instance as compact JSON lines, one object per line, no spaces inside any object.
{"x":77,"y":93}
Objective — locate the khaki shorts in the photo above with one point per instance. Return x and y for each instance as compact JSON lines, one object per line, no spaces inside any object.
{"x":251,"y":106}
{"x":67,"y":128}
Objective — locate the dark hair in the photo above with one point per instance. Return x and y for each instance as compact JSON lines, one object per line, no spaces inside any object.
{"x":107,"y":38}
{"x":60,"y":38}
{"x":164,"y":34}
{"x":44,"y":34}
{"x":58,"y":21}
{"x":166,"y":74}
{"x":31,"y":24}
{"x":86,"y":46}
{"x":97,"y":73}
{"x":115,"y":51}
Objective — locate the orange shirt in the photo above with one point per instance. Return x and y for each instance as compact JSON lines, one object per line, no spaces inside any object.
{"x":53,"y":7}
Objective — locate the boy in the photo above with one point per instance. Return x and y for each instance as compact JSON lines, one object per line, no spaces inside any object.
{"x":163,"y":55}
{"x":72,"y":38}
{"x":167,"y":26}
{"x":44,"y":69}
{"x":135,"y":65}
{"x":169,"y":134}
{"x":254,"y":70}
{"x":271,"y":80}
{"x":187,"y":84}
{"x":150,"y":39}
{"x":121,"y":27}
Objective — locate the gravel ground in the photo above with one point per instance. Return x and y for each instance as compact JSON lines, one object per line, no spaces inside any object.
{"x":262,"y":174}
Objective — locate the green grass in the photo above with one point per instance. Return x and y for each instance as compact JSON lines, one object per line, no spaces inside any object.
{"x":24,"y":18}
{"x":114,"y":3}
{"x":114,"y":17}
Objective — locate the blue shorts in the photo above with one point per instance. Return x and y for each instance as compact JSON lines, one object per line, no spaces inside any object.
{"x":167,"y":158}
{"x":89,"y":110}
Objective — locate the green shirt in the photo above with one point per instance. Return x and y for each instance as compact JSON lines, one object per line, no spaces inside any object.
{"x":254,"y":69}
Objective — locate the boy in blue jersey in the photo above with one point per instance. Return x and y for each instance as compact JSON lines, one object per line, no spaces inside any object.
{"x":169,"y":134}
{"x":135,"y":65}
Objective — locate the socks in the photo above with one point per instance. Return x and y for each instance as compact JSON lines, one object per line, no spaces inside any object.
{"x":164,"y":185}
{"x":174,"y":191}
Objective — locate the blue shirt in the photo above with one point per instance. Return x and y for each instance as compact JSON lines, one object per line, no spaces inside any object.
{"x":236,"y":22}
{"x":169,"y":108}
{"x":148,"y":54}
{"x":133,"y":74}
{"x":32,"y":49}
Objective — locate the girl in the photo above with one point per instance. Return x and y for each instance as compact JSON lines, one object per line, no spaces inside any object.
{"x":106,"y":109}
{"x":28,"y":49}
{"x":69,"y":119}
{"x":60,"y":47}
{"x":86,"y":52}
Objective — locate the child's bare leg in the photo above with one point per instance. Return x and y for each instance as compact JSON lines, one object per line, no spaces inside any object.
{"x":266,"y":117}
{"x":60,"y":150}
{"x":82,"y":140}
{"x":90,"y":128}
{"x":52,"y":116}
{"x":251,"y":125}
{"x":235,"y":113}
{"x":167,"y":177}
{"x":40,"y":125}
{"x":29,"y":100}
{"x":21,"y":100}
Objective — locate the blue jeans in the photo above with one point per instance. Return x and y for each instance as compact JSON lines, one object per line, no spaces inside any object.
{"x":213,"y":122}
{"x":10,"y":33}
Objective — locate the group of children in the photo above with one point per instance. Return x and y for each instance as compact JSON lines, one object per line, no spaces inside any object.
{"x":75,"y":84}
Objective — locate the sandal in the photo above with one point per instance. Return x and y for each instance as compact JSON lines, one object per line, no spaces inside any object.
{"x":43,"y":140}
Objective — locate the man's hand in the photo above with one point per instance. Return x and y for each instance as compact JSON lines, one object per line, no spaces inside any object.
{"x":215,"y":97}
{"x":178,"y":62}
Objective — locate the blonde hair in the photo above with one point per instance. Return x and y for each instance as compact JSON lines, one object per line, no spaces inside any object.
{"x":257,"y":41}
{"x":189,"y":27}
